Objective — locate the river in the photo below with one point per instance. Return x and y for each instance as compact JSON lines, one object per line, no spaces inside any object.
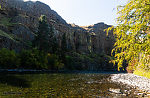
{"x":62,"y":85}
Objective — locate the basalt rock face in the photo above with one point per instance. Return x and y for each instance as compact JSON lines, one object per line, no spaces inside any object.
{"x":101,"y":42}
{"x":97,"y":40}
{"x":20,"y":19}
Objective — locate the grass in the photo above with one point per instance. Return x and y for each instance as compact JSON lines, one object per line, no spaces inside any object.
{"x":0,"y":7}
{"x":24,"y":16}
{"x":4,"y":34}
{"x":10,"y":36}
{"x":6,"y":22}
{"x":141,"y":72}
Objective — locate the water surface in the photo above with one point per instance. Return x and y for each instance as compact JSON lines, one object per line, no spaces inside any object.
{"x":79,"y":85}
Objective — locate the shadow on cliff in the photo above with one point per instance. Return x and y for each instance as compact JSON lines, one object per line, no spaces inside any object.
{"x":13,"y":80}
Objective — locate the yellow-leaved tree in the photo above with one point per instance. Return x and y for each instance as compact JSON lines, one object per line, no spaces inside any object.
{"x":133,"y":34}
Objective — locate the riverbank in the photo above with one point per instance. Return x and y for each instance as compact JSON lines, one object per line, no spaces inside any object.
{"x":138,"y":82}
{"x":56,"y":71}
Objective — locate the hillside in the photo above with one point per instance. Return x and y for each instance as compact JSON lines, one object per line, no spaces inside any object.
{"x":20,"y":20}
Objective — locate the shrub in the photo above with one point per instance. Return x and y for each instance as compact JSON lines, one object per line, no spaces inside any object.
{"x":53,"y":62}
{"x":76,"y":61}
{"x":33,"y":59}
{"x":29,"y":59}
{"x":69,"y":62}
{"x":8,"y":59}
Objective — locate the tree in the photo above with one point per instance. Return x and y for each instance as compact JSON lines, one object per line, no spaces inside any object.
{"x":33,"y":59}
{"x":8,"y":59}
{"x":133,"y":34}
{"x":45,"y":39}
{"x":64,"y":43}
{"x":63,"y":48}
{"x":53,"y":41}
{"x":42,"y":39}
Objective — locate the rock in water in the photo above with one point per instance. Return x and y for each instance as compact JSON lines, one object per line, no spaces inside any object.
{"x":117,"y":91}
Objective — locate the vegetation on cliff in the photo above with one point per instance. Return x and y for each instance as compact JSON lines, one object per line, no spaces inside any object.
{"x":61,"y":46}
{"x":5,"y":22}
{"x":44,"y":52}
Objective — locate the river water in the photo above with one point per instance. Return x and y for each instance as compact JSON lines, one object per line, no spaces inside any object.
{"x":67,"y":85}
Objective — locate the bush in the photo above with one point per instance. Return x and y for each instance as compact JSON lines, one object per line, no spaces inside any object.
{"x":53,"y":62}
{"x":33,"y":59}
{"x":29,"y":59}
{"x":8,"y":59}
{"x":69,"y":62}
{"x":76,"y":61}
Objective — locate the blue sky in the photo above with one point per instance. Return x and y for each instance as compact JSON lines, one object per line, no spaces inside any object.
{"x":86,"y":12}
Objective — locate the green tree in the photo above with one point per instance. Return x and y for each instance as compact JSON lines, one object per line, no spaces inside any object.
{"x":8,"y":59}
{"x":45,"y":39}
{"x":53,"y":62}
{"x":63,"y":48}
{"x":64,"y":43}
{"x":33,"y":59}
{"x":43,"y":35}
{"x":133,"y":34}
{"x":53,"y":41}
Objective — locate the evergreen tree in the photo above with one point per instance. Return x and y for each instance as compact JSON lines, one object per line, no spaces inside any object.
{"x":53,"y":41}
{"x":45,"y":39}
{"x":64,"y":43}
{"x":63,"y":48}
{"x":42,"y":39}
{"x":133,"y":34}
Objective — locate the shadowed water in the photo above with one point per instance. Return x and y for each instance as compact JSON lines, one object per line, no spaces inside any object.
{"x":81,"y":85}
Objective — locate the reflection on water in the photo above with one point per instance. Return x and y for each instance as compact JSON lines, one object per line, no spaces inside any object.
{"x":62,"y":85}
{"x":13,"y":80}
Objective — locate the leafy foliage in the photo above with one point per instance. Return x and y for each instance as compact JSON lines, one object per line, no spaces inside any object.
{"x":54,"y":63}
{"x":29,"y":59}
{"x":133,"y":34}
{"x":8,"y":59}
{"x":142,"y":72}
{"x":33,"y":59}
{"x":76,"y":61}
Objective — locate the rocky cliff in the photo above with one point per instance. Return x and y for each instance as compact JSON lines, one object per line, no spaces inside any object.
{"x":20,"y":19}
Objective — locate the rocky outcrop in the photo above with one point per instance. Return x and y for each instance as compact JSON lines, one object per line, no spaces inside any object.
{"x":22,"y":22}
{"x":96,"y":40}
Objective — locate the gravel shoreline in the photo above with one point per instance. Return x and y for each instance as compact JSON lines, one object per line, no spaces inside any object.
{"x":139,"y":82}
